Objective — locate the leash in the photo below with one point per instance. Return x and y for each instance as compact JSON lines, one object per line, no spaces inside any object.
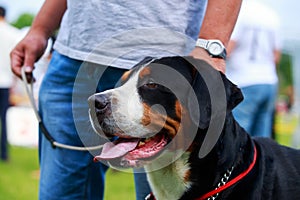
{"x":54,"y":143}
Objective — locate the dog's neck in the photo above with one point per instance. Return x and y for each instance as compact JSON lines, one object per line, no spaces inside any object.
{"x":175,"y":180}
{"x":233,"y":148}
{"x":170,"y":182}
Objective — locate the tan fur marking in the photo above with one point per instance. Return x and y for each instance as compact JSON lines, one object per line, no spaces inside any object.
{"x":186,"y":177}
{"x":144,"y":72}
{"x":125,"y":76}
{"x":178,"y":108}
{"x":157,"y":121}
{"x":184,"y":136}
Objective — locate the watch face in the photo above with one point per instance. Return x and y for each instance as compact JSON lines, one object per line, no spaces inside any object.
{"x":215,"y":48}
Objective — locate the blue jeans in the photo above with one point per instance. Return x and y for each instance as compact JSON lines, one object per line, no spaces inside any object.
{"x":68,"y":174}
{"x":255,"y":112}
{"x":4,"y":105}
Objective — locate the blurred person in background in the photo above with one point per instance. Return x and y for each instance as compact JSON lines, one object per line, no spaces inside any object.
{"x":254,"y":51}
{"x":110,"y":37}
{"x":9,"y":37}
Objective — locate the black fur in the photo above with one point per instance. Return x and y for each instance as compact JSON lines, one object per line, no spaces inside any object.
{"x":276,"y":174}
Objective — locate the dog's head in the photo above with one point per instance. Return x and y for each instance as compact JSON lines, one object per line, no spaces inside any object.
{"x":161,"y":104}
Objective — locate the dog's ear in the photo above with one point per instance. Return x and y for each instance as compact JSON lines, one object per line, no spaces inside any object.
{"x":215,"y":94}
{"x":200,"y":116}
{"x":233,"y":94}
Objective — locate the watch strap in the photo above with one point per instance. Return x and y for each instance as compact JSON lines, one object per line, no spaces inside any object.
{"x":203,"y":43}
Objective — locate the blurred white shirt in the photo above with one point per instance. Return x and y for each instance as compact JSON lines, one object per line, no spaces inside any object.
{"x":9,"y":36}
{"x":257,"y":37}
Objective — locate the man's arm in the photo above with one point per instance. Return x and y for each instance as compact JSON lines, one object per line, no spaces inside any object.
{"x":49,"y":17}
{"x":220,"y":19}
{"x":277,"y":56}
{"x":32,"y":47}
{"x":218,"y":23}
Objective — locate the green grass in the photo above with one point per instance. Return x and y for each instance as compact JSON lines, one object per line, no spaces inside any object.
{"x":285,"y":126}
{"x":119,"y":185}
{"x":19,"y":178}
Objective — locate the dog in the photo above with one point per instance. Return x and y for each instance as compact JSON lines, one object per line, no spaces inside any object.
{"x":173,"y":116}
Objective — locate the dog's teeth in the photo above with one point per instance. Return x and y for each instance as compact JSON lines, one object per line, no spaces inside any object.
{"x":144,"y":141}
{"x":141,"y":143}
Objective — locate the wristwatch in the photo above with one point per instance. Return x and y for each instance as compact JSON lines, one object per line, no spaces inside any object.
{"x":215,"y":48}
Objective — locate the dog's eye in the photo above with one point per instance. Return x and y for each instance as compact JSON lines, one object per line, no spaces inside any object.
{"x":151,"y":85}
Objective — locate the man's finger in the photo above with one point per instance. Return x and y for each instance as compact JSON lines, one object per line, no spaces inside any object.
{"x":16,"y":59}
{"x":29,"y":61}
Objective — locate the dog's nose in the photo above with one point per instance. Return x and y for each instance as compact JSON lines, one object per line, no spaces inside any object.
{"x":98,"y":101}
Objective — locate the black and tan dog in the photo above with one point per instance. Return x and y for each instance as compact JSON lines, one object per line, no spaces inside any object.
{"x":166,"y":115}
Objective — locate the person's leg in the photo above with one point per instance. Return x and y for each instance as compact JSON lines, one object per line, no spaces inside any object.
{"x":4,"y":104}
{"x":142,"y":188}
{"x":67,"y":174}
{"x":263,"y":123}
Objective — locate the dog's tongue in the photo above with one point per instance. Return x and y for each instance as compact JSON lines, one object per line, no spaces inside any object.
{"x":117,"y":149}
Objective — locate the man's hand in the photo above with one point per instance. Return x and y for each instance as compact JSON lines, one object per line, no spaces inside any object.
{"x":27,"y":52}
{"x":217,"y":63}
{"x":32,"y":47}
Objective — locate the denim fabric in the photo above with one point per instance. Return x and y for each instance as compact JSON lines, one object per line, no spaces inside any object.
{"x":142,"y":189}
{"x":69,"y":174}
{"x":255,"y":112}
{"x":4,"y":104}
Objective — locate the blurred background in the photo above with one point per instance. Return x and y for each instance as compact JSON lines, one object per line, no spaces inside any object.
{"x":20,"y":174}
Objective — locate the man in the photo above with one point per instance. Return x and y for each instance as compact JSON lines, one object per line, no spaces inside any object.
{"x":8,"y":39}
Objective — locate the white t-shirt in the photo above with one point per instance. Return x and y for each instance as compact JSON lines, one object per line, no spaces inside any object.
{"x":9,"y":36}
{"x":122,"y":32}
{"x":257,"y":37}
